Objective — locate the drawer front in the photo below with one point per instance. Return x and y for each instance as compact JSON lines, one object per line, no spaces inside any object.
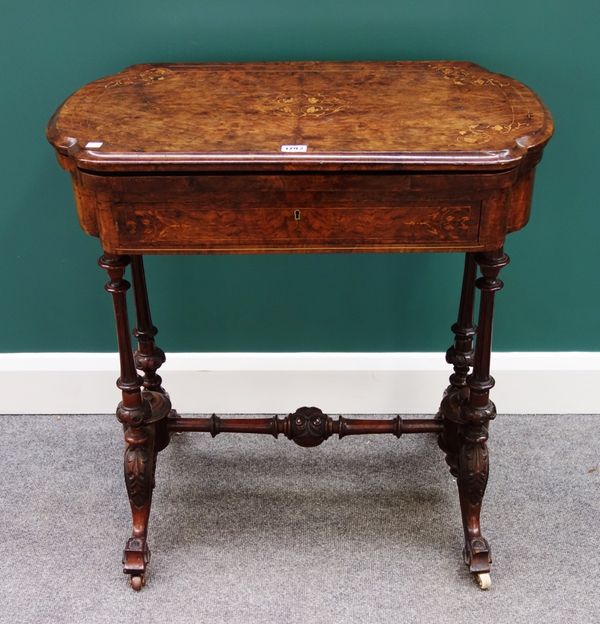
{"x":295,"y":213}
{"x":150,"y":227}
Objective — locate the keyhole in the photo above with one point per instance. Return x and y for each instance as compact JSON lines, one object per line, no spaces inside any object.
{"x":297,"y":215}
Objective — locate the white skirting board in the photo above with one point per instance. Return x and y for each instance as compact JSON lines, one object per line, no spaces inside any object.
{"x":348,"y":383}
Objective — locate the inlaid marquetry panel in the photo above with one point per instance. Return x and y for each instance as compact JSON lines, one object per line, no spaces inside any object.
{"x":408,"y":114}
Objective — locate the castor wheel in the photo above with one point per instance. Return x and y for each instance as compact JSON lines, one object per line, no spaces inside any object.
{"x":137,"y":581}
{"x":484,"y":580}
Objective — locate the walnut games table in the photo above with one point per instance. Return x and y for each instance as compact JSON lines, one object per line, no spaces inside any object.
{"x":304,"y":157}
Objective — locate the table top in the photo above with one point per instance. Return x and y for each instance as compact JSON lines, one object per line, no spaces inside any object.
{"x":410,"y":115}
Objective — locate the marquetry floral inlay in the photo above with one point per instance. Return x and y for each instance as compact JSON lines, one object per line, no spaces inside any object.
{"x":463,"y":76}
{"x":304,"y":104}
{"x":481,"y":133}
{"x":477,"y":134}
{"x":152,"y":74}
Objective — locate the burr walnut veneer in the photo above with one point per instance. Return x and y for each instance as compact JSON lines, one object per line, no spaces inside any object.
{"x":303,"y":157}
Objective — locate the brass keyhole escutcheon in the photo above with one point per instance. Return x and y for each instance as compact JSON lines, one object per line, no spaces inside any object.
{"x":296,"y":215}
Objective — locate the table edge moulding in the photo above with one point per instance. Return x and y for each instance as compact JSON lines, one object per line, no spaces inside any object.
{"x":303,"y":157}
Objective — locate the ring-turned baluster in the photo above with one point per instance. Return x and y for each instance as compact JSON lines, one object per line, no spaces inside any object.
{"x":460,"y":355}
{"x":147,"y":357}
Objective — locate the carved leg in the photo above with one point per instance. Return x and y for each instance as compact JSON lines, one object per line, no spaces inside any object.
{"x":460,"y":355}
{"x":135,"y":413}
{"x":148,"y":357}
{"x":475,"y":413}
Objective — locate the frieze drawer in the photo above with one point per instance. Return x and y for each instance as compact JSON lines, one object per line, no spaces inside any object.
{"x":125,"y":227}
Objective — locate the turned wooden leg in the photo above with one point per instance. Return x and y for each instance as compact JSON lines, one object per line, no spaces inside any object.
{"x":476,"y":411}
{"x":460,"y":355}
{"x":148,"y":357}
{"x":135,"y":413}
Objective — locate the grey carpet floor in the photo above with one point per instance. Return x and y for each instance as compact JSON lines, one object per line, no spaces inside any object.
{"x":250,"y":529}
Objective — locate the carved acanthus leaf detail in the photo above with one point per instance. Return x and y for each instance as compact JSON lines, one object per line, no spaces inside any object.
{"x":138,"y":474}
{"x":474,"y":468}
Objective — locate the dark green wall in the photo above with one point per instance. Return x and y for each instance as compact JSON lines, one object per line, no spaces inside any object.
{"x":52,"y":290}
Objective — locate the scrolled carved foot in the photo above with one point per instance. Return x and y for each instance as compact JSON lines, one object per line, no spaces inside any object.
{"x":136,"y":557}
{"x":477,"y":555}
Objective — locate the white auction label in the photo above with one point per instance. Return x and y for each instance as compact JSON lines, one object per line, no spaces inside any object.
{"x":294,"y":148}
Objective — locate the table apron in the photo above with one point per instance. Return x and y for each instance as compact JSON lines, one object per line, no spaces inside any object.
{"x":296,"y":213}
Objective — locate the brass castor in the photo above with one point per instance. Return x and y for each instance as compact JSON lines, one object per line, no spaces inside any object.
{"x":137,"y":581}
{"x":484,"y":580}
